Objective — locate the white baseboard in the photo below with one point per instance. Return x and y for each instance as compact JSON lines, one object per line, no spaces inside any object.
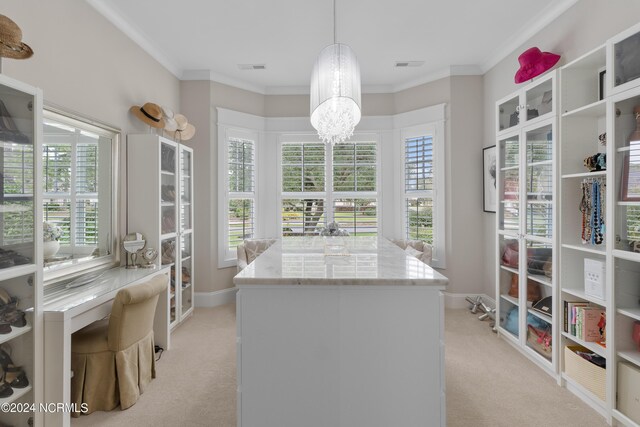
{"x":215,"y":298}
{"x":459,"y":300}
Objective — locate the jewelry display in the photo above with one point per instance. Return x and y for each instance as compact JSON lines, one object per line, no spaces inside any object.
{"x":592,"y":207}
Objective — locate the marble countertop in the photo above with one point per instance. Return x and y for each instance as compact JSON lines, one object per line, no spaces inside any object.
{"x":61,"y":298}
{"x":338,"y":261}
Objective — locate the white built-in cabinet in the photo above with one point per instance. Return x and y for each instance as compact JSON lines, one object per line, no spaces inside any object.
{"x":160,"y":206}
{"x":526,"y":214}
{"x":21,"y":242}
{"x":599,"y":113}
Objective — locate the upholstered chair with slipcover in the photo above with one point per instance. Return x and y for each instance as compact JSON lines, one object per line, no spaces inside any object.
{"x":113,"y":360}
{"x":250,"y":249}
{"x":417,"y":248}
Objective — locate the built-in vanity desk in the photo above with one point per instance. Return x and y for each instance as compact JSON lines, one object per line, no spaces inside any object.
{"x":339,"y":332}
{"x":67,"y":310}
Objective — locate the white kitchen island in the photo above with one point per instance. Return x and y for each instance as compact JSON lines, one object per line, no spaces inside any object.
{"x":340,"y":340}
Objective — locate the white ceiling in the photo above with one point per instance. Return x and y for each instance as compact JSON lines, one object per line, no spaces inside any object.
{"x":198,"y":39}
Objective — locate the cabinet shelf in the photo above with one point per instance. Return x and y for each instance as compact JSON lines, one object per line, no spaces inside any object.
{"x":631,"y":356}
{"x":580,"y":294}
{"x":17,"y":394}
{"x":15,"y":332}
{"x":540,"y":279}
{"x":600,"y":249}
{"x":509,"y":269}
{"x":509,"y":298}
{"x":634,"y":313}
{"x":585,"y":174}
{"x":510,"y":168}
{"x":595,"y":348}
{"x":595,"y":109}
{"x":168,"y":173}
{"x":540,"y":316}
{"x":540,"y":163}
{"x":628,"y":255}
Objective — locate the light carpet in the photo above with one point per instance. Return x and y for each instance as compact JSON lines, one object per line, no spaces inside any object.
{"x":488,"y":382}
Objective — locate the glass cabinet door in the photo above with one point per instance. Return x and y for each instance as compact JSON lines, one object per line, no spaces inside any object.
{"x":508,"y":113}
{"x":539,"y":100}
{"x":539,"y":182}
{"x":626,"y":61}
{"x":186,"y":231}
{"x":17,"y":208}
{"x":509,"y":185}
{"x":168,"y":190}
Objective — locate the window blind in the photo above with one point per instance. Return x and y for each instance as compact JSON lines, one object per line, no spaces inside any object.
{"x":241,"y":218}
{"x":354,"y":167}
{"x":303,"y":167}
{"x":419,"y":188}
{"x":358,"y":215}
{"x":241,"y":165}
{"x":303,"y":217}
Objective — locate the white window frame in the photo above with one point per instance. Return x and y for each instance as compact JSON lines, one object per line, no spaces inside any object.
{"x":228,"y":257}
{"x":436,"y":131}
{"x":329,"y":194}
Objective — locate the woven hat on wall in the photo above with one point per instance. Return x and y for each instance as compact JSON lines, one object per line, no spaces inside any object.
{"x":11,"y":45}
{"x":150,"y":114}
{"x":185,"y":130}
{"x":533,"y":63}
{"x":170,"y":124}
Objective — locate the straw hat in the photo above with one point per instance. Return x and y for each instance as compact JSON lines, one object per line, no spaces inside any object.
{"x":533,"y":63}
{"x":185,"y":130}
{"x":149,"y":113}
{"x":170,"y":124}
{"x":11,"y":45}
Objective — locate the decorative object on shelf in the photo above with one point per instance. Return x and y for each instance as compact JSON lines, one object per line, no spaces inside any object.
{"x":11,"y":44}
{"x":544,"y":306}
{"x":150,"y":114}
{"x":168,"y":193}
{"x":489,"y":190}
{"x":170,"y":123}
{"x":540,"y":340}
{"x":592,"y":206}
{"x":333,"y":229}
{"x":185,"y":130}
{"x":335,"y":91}
{"x":149,"y":255}
{"x":603,"y":138}
{"x":534,"y":293}
{"x":533,"y":62}
{"x":168,"y":252}
{"x":51,"y":235}
{"x":596,"y":163}
{"x":133,"y":243}
{"x":635,"y":334}
{"x":594,"y":278}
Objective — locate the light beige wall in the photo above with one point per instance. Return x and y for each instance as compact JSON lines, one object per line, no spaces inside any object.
{"x":85,"y":65}
{"x":580,"y":29}
{"x":464,"y":186}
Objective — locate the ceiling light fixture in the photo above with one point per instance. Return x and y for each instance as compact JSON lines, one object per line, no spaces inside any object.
{"x":335,"y":91}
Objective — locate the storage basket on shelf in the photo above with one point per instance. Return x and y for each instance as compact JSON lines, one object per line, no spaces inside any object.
{"x":587,"y":374}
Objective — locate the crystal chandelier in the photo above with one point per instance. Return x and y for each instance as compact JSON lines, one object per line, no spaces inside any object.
{"x":335,"y":91}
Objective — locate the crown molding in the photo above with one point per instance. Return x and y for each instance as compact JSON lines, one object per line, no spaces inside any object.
{"x":530,"y":29}
{"x":110,"y":12}
{"x":221,"y":78}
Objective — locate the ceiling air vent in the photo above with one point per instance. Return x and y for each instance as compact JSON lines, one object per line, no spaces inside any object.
{"x":252,"y":66}
{"x":402,"y":64}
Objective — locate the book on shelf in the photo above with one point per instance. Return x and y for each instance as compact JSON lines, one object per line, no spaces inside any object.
{"x":585,"y":322}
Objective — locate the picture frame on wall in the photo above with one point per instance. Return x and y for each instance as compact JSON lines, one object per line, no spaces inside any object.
{"x":489,"y":184}
{"x":601,"y":85}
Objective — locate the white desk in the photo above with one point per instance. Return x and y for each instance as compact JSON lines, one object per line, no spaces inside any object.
{"x":340,"y":341}
{"x":68,"y":310}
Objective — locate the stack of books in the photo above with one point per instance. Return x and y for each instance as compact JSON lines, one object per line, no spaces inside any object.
{"x":585,"y":321}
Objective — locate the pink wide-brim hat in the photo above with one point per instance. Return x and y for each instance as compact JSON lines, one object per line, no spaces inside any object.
{"x":533,"y":63}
